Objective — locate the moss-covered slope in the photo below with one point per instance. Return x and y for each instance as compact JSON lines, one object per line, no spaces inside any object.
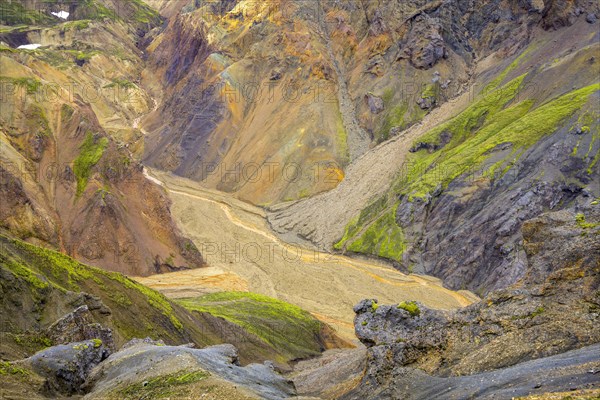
{"x":38,"y":286}
{"x":461,"y":148}
{"x":290,"y":330}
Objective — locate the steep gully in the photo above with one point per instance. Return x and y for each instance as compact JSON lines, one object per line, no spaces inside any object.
{"x":358,"y":139}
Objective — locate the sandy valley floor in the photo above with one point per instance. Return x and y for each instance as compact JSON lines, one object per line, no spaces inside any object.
{"x":244,"y":254}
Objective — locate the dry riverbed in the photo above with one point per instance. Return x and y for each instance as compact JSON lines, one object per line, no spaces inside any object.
{"x":245,"y":255}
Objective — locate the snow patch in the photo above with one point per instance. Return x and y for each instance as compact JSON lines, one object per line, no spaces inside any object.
{"x":61,"y":14}
{"x":29,"y":46}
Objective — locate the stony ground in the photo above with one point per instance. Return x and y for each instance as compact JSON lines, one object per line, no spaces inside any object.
{"x":576,"y":370}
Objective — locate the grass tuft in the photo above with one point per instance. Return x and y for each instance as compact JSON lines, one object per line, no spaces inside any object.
{"x":7,"y":368}
{"x":412,"y":308}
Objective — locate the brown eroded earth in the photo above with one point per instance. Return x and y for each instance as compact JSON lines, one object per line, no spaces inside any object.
{"x":244,"y":254}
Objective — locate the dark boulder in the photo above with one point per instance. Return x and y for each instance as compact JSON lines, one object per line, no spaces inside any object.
{"x":375,"y":103}
{"x":78,"y":326}
{"x":67,"y":366}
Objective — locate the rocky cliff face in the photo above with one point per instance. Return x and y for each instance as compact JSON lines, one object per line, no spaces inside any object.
{"x":69,"y":175}
{"x":552,"y":309}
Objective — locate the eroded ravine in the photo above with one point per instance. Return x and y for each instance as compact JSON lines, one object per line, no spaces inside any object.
{"x":244,"y":254}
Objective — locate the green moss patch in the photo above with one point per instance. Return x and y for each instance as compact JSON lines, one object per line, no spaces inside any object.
{"x":380,"y":234}
{"x":5,"y":49}
{"x":42,"y":269}
{"x":80,"y":346}
{"x":410,"y":306}
{"x":59,"y":59}
{"x":21,"y":270}
{"x":7,"y":368}
{"x":30,"y":342}
{"x":133,"y":11}
{"x":121,"y":83}
{"x":287,"y":328}
{"x":517,"y":125}
{"x":461,"y":136}
{"x":31,"y":85}
{"x":583,"y":224}
{"x":538,"y":311}
{"x":394,"y":117}
{"x":502,"y":76}
{"x":142,"y":13}
{"x":69,"y":272}
{"x":367,"y":215}
{"x":400,"y":114}
{"x":14,"y":13}
{"x":82,"y":56}
{"x":94,"y":10}
{"x":91,"y":152}
{"x":342,"y":141}
{"x":78,"y":25}
{"x":155,"y":299}
{"x":383,"y":238}
{"x":62,"y":270}
{"x":429,"y":91}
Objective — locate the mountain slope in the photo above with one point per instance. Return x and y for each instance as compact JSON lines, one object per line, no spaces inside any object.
{"x":450,"y":194}
{"x":458,"y":139}
{"x":68,"y":169}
